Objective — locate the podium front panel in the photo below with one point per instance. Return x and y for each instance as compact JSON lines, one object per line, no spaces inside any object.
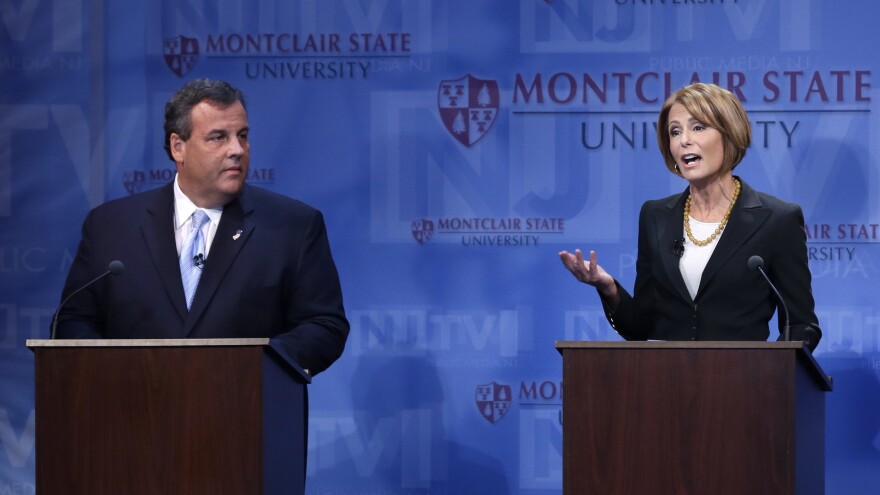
{"x":164,"y":417}
{"x":688,"y":420}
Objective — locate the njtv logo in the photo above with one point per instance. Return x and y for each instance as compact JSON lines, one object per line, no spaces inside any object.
{"x":419,"y":332}
{"x":618,"y":26}
{"x":26,"y":28}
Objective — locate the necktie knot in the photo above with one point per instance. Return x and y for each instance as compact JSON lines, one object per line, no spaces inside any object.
{"x":199,"y":218}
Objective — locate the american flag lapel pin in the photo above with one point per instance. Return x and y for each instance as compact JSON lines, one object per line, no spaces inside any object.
{"x":237,"y":234}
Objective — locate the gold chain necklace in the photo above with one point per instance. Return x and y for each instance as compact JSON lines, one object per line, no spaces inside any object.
{"x":687,"y":215}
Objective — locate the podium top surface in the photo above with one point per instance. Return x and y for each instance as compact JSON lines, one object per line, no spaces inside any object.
{"x":304,"y":374}
{"x":145,"y":342}
{"x":685,"y":344}
{"x":801,"y":349}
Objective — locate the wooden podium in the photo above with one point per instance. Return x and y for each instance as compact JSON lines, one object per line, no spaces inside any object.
{"x":207,"y":416}
{"x":678,"y":418}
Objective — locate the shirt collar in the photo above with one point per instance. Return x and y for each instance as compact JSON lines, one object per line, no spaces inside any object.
{"x":184,"y":208}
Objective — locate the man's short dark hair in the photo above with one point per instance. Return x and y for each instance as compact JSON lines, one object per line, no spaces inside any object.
{"x":178,"y":110}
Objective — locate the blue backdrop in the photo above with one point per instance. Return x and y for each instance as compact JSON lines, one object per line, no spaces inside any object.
{"x":455,"y":147}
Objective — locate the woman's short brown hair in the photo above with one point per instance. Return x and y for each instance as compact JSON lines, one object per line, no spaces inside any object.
{"x":715,"y":107}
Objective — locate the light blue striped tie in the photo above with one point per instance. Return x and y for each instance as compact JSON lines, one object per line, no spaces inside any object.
{"x":192,"y":257}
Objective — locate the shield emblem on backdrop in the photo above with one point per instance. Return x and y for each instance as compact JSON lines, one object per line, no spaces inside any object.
{"x":181,"y":54}
{"x":422,"y":230}
{"x":133,"y":180}
{"x":468,"y":107}
{"x":493,"y":401}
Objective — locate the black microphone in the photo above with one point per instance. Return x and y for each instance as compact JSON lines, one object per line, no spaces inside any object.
{"x":199,"y":260}
{"x":114,"y":268}
{"x":678,"y":247}
{"x":757,"y":263}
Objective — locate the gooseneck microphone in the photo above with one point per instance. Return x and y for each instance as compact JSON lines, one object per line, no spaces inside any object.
{"x":114,"y":268}
{"x":757,"y":263}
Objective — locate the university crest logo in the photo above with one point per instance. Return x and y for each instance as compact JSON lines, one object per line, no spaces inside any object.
{"x":181,"y":54}
{"x":493,"y":401}
{"x":422,"y":230}
{"x":468,"y":107}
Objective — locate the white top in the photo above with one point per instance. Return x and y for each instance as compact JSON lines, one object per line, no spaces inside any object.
{"x":695,"y":258}
{"x":183,"y":210}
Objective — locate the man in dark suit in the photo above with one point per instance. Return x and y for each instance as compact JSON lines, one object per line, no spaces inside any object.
{"x":208,"y":256}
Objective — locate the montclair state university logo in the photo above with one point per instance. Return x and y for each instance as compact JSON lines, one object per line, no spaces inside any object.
{"x":468,"y":107}
{"x":493,"y":401}
{"x":181,"y":54}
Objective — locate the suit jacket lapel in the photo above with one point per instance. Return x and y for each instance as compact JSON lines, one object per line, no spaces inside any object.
{"x":670,"y":228}
{"x":158,"y":233}
{"x":747,"y":216}
{"x":232,"y":234}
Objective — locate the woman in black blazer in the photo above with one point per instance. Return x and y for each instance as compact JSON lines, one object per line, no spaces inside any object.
{"x":694,"y":277}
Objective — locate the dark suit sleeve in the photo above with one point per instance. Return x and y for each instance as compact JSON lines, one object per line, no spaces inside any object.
{"x":317,"y":327}
{"x":790,"y":272}
{"x":633,"y":313}
{"x":81,"y":317}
